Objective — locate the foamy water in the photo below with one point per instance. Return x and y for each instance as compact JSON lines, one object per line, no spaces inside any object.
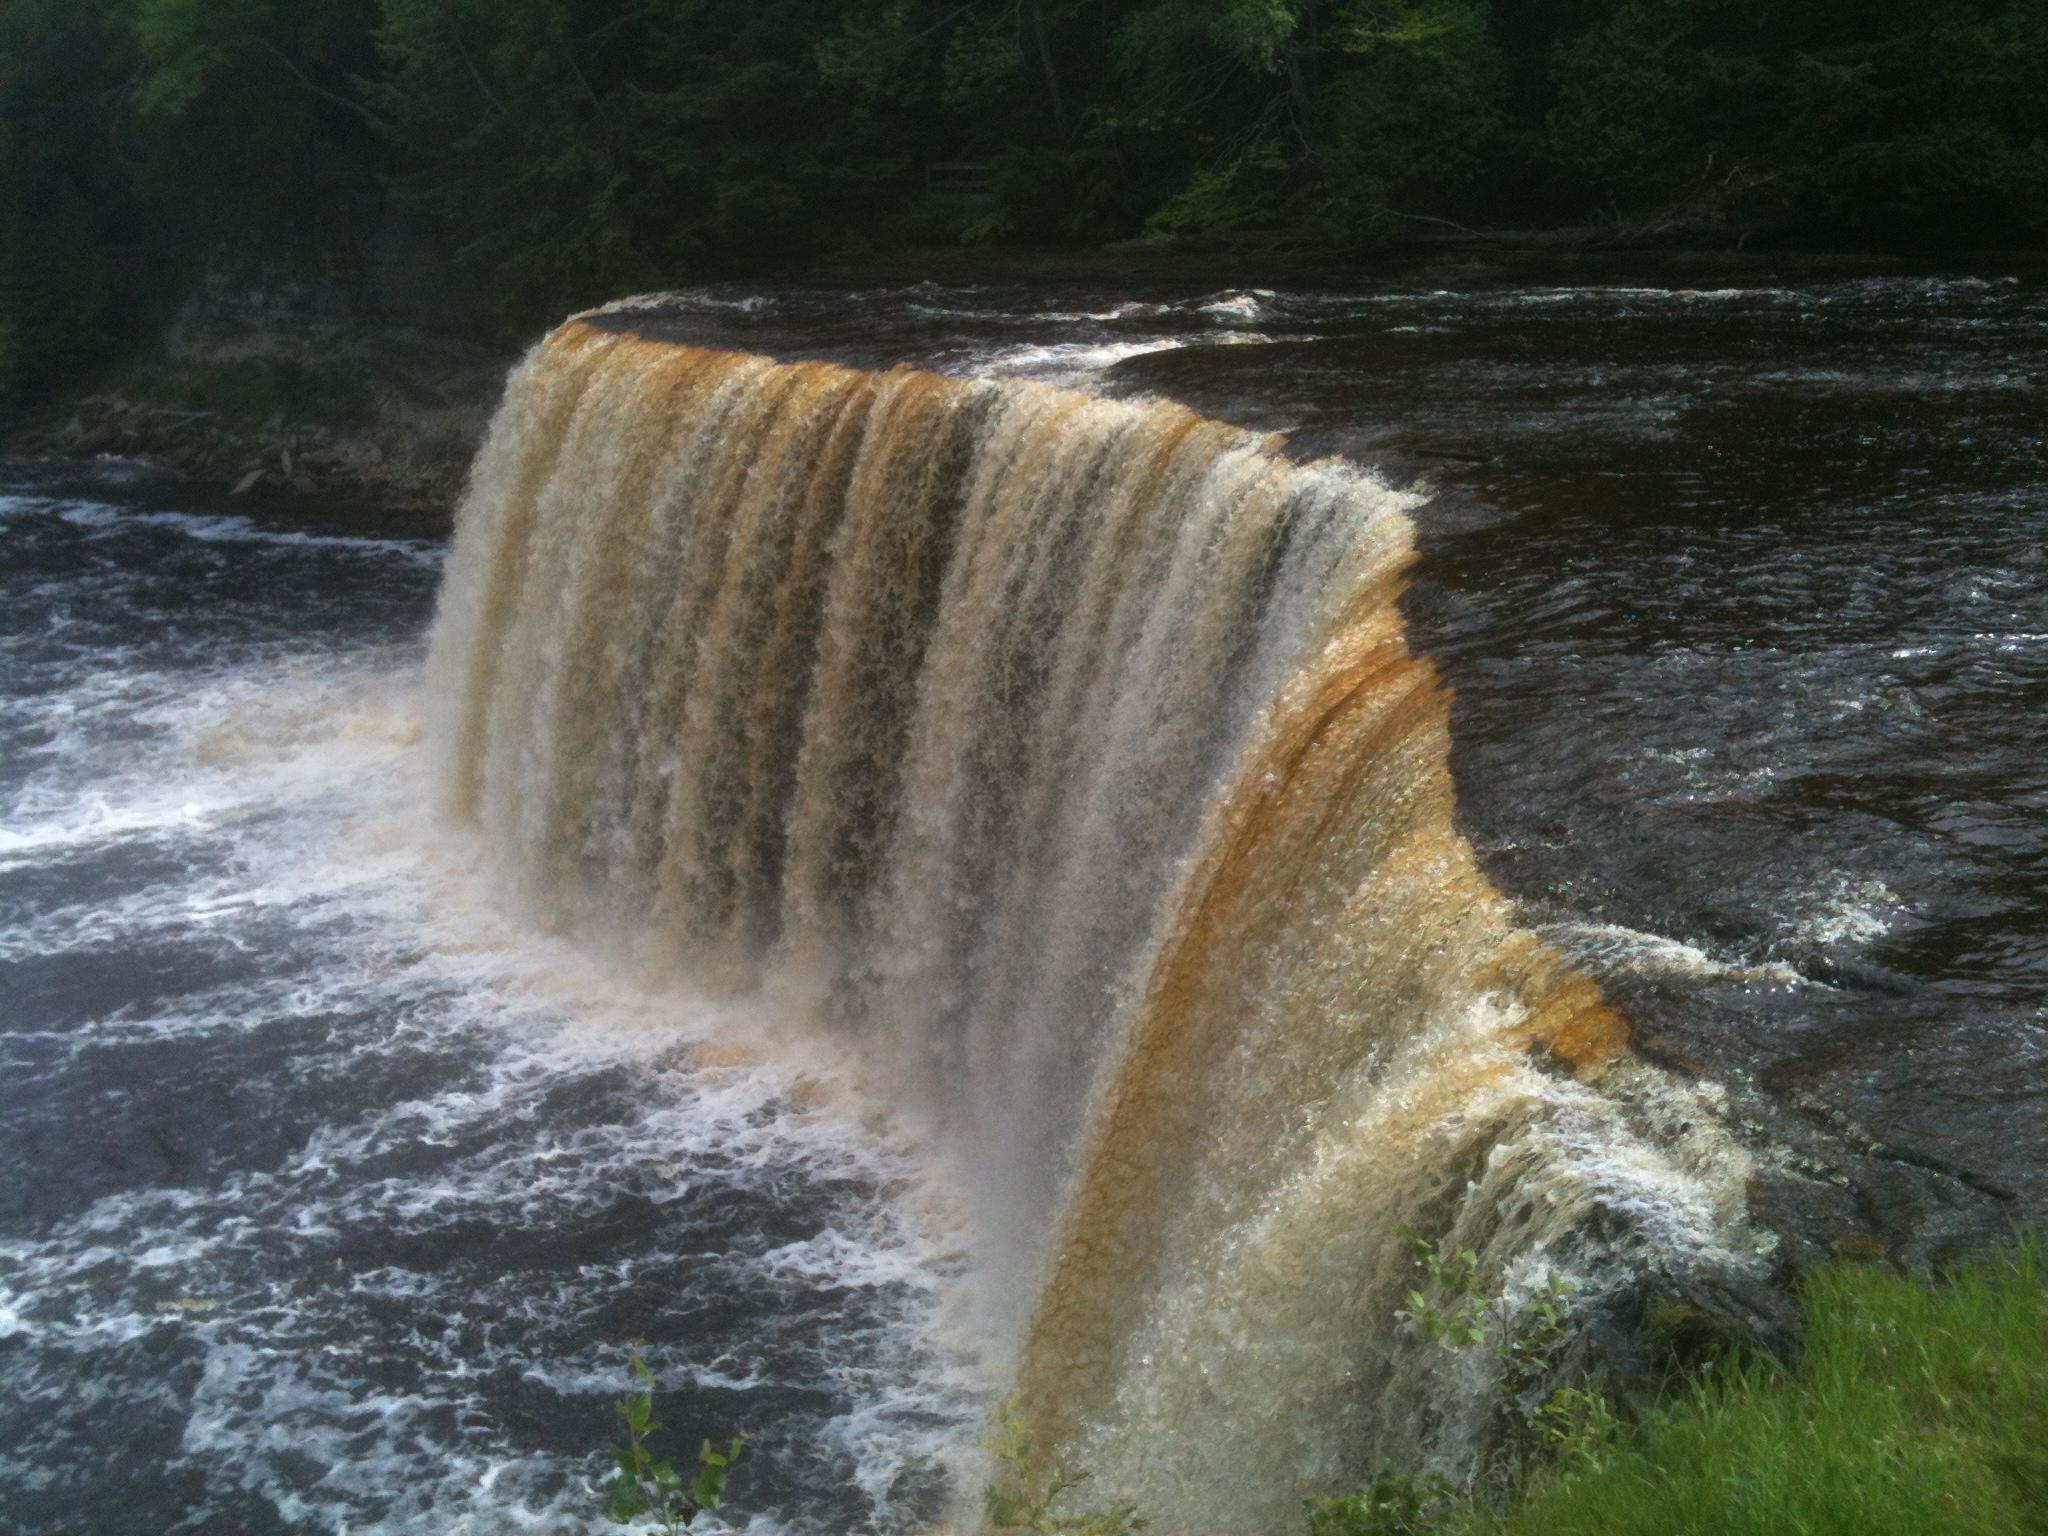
{"x":335,"y":1199}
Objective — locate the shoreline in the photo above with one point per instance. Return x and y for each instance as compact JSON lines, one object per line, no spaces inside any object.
{"x":259,"y":409}
{"x":256,"y":406}
{"x":1476,"y":257}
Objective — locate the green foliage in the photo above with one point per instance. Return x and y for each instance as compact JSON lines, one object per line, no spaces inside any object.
{"x":1392,"y":1504}
{"x":563,"y":151}
{"x":1524,"y":1339}
{"x":1241,"y":195}
{"x":1413,"y":107}
{"x":75,"y":241}
{"x":1916,"y":1410}
{"x":510,"y":148}
{"x":573,"y":149}
{"x":650,"y":1487}
{"x":1946,"y":119}
{"x":1889,"y":119}
{"x":1577,"y":1425}
{"x":1026,"y":1495}
{"x":1625,"y":91}
{"x":1465,"y":1317}
{"x":247,"y":121}
{"x":1540,"y":1417}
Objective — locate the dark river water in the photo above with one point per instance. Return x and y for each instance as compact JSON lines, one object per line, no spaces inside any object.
{"x":330,"y":1199}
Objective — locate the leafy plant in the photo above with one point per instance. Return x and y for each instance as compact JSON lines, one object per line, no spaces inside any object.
{"x":1392,"y":1504}
{"x":1464,"y":1319}
{"x":1567,"y":1423}
{"x":1578,"y":1425}
{"x":1023,"y":1493}
{"x":648,"y":1485}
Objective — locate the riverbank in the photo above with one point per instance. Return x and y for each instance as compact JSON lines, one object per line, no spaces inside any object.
{"x":330,"y":409}
{"x":262,"y":391}
{"x":1916,"y":1406}
{"x":1580,"y":255}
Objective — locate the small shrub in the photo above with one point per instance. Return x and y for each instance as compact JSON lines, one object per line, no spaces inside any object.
{"x":1577,"y":1425}
{"x":1542,"y":1420}
{"x":649,"y":1486}
{"x":1392,"y":1504}
{"x":1022,"y":1494}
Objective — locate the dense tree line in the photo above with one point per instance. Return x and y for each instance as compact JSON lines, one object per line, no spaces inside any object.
{"x":564,"y":150}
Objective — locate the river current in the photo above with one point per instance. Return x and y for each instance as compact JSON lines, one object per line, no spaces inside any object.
{"x":335,"y":1193}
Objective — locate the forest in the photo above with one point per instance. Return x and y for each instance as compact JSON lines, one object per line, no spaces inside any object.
{"x":556,"y":152}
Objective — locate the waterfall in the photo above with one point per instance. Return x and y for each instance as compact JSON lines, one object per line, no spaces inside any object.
{"x":1064,"y":760}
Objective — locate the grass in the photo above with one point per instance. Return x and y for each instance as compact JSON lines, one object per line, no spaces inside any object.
{"x":1916,"y":1410}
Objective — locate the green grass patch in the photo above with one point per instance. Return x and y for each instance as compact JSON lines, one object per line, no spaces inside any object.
{"x":1917,"y":1409}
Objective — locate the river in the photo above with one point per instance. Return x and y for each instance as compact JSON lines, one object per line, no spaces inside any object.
{"x":336,"y":1189}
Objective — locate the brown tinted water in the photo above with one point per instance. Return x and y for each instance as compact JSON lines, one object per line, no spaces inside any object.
{"x":1743,"y":597}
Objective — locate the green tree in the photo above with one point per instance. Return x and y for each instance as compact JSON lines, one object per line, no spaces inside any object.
{"x":1813,"y":115}
{"x":572,"y":149}
{"x":74,"y":237}
{"x":248,"y":122}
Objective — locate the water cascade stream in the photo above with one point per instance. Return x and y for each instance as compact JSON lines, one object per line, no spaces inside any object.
{"x":1065,"y":762}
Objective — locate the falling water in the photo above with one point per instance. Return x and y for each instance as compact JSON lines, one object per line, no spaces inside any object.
{"x":1064,"y":761}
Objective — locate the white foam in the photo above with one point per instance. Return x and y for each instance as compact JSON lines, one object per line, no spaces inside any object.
{"x":1852,"y":910}
{"x":690,"y":301}
{"x":1238,"y":304}
{"x":219,"y":747}
{"x":1063,"y":362}
{"x":225,"y":529}
{"x":537,"y":1087}
{"x":1612,"y":945}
